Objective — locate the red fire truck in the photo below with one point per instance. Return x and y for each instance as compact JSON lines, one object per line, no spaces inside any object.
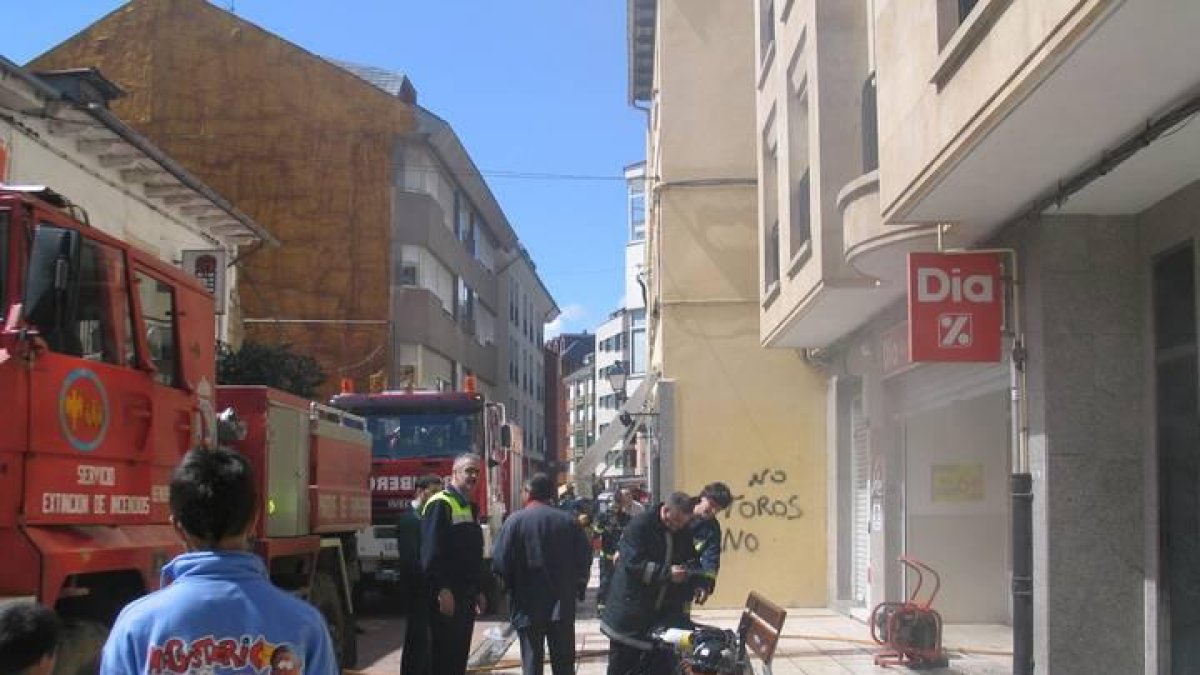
{"x":419,"y":432}
{"x":106,"y":379}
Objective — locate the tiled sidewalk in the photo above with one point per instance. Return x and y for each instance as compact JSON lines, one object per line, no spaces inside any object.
{"x":815,"y":642}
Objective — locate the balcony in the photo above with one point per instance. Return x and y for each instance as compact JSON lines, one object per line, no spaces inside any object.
{"x":877,"y":250}
{"x":1004,"y":134}
{"x":419,"y":318}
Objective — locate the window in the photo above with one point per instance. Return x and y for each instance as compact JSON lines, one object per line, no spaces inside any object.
{"x":769,"y":193}
{"x":485,"y":324}
{"x":408,"y":270}
{"x":800,"y":223}
{"x":462,"y":216}
{"x":801,"y":229}
{"x":514,"y":368}
{"x":514,"y":303}
{"x":870,"y":125}
{"x":637,"y":212}
{"x":466,"y":307}
{"x":470,"y":237}
{"x":961,"y":26}
{"x":158,"y":310}
{"x":964,"y":9}
{"x":416,"y":434}
{"x":102,"y":327}
{"x":766,"y":26}
{"x":3,"y":253}
{"x":638,"y":358}
{"x":771,"y":264}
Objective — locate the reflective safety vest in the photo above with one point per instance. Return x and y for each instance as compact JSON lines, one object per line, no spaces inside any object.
{"x":460,"y":512}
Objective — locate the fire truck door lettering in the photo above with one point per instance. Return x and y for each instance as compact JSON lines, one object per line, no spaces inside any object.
{"x":99,"y":505}
{"x":96,"y":475}
{"x":65,"y":502}
{"x":130,"y":504}
{"x":160,"y":494}
{"x":393,"y":483}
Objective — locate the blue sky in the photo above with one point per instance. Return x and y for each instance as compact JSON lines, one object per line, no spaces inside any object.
{"x":535,"y":86}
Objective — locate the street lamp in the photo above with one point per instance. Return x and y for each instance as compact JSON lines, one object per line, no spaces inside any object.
{"x":616,"y":379}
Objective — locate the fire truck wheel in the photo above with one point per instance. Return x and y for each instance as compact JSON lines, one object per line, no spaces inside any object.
{"x":79,"y":647}
{"x":328,"y":600}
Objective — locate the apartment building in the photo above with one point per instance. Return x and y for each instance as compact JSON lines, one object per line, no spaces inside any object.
{"x":564,"y":355}
{"x":398,"y":260}
{"x":1054,"y":138}
{"x":580,"y":386}
{"x":718,"y":406}
{"x":528,"y":308}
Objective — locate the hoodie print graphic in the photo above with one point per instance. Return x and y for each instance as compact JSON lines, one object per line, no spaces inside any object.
{"x":210,"y":655}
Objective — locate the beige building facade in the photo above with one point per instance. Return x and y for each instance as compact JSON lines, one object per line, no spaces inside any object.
{"x":1059,"y":134}
{"x":725,"y":409}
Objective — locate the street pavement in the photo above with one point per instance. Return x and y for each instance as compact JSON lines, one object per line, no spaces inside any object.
{"x":814,"y":642}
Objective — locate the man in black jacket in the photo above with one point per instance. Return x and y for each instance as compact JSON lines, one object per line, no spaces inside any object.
{"x":545,"y":560}
{"x":610,"y":526}
{"x":650,"y":585}
{"x":706,"y":538}
{"x":452,"y":560}
{"x":415,"y":657}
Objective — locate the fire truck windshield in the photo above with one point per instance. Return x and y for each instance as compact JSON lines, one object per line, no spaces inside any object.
{"x":424,"y":434}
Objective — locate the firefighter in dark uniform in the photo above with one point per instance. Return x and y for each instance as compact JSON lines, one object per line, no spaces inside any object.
{"x":452,"y":559}
{"x":610,"y":526}
{"x":706,"y":538}
{"x":650,"y":586}
{"x":415,"y":657}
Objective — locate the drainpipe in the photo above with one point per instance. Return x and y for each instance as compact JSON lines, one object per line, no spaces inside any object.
{"x":1021,"y":480}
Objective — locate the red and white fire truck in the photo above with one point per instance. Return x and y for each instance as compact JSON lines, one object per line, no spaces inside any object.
{"x":417,"y":432}
{"x":106,"y":379}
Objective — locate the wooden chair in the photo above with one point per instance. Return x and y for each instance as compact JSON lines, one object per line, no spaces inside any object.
{"x":761,"y":624}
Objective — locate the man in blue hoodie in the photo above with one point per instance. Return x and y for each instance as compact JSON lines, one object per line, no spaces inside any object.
{"x":217,"y":612}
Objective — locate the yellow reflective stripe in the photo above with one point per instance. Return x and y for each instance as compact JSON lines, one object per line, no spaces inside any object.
{"x":458,"y":512}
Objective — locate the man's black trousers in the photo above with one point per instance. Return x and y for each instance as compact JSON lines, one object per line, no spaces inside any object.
{"x":607,"y":566}
{"x":561,"y":637}
{"x":415,"y":657}
{"x":452,"y":635}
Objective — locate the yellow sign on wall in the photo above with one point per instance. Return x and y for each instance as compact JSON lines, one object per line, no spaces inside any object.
{"x":957,"y":482}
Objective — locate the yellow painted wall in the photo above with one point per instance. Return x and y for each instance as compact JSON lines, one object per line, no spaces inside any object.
{"x":751,"y":417}
{"x":297,"y":143}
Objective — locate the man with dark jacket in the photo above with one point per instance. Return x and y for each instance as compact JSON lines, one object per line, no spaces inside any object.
{"x":610,"y":526}
{"x":544,"y":558}
{"x":650,"y":585}
{"x":452,"y":560}
{"x":415,"y":657}
{"x":706,"y":538}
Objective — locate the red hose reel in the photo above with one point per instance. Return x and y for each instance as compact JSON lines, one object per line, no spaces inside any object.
{"x":910,"y":630}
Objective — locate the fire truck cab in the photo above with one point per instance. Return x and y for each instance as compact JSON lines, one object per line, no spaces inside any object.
{"x":107,"y":377}
{"x":419,"y":432}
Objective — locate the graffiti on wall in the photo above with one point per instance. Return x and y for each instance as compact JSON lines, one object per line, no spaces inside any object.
{"x":766,"y":499}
